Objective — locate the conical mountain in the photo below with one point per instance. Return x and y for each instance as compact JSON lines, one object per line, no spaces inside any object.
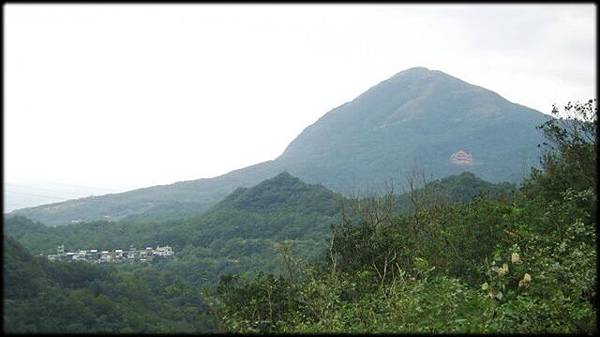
{"x":416,"y":120}
{"x":282,"y":207}
{"x":283,"y":191}
{"x":419,"y":119}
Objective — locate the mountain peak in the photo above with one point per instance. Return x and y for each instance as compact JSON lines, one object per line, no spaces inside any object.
{"x":414,"y":70}
{"x":283,"y":190}
{"x":424,"y":79}
{"x":282,"y":177}
{"x":417,"y":118}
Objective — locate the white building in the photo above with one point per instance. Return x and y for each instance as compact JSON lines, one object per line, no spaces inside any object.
{"x":106,"y":256}
{"x":163,"y":251}
{"x":52,"y":257}
{"x":78,"y":257}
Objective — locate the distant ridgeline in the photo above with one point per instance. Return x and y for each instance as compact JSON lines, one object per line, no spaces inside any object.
{"x":243,"y":233}
{"x":418,"y":119}
{"x":239,"y":233}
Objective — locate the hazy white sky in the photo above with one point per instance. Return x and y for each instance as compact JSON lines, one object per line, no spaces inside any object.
{"x":125,"y":96}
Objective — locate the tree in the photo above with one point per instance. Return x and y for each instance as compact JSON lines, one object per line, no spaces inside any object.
{"x":569,"y":158}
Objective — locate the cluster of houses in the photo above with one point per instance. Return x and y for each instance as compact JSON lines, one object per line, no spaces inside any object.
{"x":107,"y":256}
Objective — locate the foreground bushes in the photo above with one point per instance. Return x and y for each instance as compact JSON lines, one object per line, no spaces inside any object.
{"x":523,"y":264}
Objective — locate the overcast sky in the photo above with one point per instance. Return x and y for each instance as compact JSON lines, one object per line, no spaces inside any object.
{"x":126,"y":96}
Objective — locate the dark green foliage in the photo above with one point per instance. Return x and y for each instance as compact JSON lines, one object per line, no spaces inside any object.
{"x":241,"y":234}
{"x":457,"y":254}
{"x":100,"y":235}
{"x":19,"y":226}
{"x":466,"y":186}
{"x":518,"y":264}
{"x":570,"y":154}
{"x":238,"y":235}
{"x":21,"y":271}
{"x":281,"y":192}
{"x":280,"y":208}
{"x":453,"y":255}
{"x":43,"y":297}
{"x":264,"y":301}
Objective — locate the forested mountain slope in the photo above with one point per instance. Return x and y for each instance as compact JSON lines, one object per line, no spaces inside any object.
{"x":279,"y":209}
{"x":417,"y":119}
{"x":58,"y":297}
{"x":244,"y":233}
{"x":523,"y":264}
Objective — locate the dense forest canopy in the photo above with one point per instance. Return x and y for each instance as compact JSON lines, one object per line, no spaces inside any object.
{"x":61,"y":297}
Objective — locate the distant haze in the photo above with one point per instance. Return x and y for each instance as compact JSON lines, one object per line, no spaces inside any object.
{"x":127,"y":96}
{"x":26,"y":195}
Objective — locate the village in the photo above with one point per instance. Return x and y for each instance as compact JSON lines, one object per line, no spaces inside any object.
{"x":117,"y":256}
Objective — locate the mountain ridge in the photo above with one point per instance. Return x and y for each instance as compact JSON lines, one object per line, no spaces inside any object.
{"x":280,"y":208}
{"x":415,"y":119}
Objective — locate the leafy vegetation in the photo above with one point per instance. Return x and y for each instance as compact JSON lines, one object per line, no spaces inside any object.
{"x":237,"y":234}
{"x":453,"y":255}
{"x":245,"y":233}
{"x":43,"y":297}
{"x":524,"y":264}
{"x":242,"y":231}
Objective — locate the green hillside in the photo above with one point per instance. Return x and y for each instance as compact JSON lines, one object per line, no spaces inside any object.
{"x":240,"y":233}
{"x":244,"y":231}
{"x":457,"y":188}
{"x":416,"y":119}
{"x":458,"y":255}
{"x":523,"y":264}
{"x":43,"y":297}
